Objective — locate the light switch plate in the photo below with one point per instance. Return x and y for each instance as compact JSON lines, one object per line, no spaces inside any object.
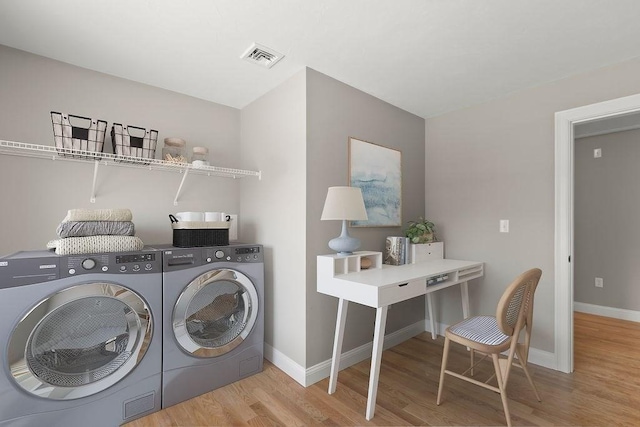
{"x":504,"y":225}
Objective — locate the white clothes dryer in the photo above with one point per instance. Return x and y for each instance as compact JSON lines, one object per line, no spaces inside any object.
{"x":213,"y":330}
{"x":80,"y":338}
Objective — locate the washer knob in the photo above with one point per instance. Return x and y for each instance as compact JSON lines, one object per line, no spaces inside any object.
{"x":219,"y":254}
{"x":88,"y":264}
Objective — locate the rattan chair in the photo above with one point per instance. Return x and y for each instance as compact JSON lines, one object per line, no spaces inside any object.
{"x":490,"y":336}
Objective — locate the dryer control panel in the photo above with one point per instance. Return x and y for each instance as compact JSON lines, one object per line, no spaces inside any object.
{"x":115,"y":263}
{"x":182,"y":258}
{"x":242,"y":254}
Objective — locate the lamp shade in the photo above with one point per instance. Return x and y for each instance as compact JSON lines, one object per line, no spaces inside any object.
{"x":344,"y":203}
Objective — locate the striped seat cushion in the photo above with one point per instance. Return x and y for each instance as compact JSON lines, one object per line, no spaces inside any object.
{"x":481,"y":329}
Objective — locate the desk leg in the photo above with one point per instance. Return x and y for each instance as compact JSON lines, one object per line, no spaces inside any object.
{"x":432,"y":319}
{"x":337,"y":344}
{"x":376,"y":356}
{"x":464,"y":290}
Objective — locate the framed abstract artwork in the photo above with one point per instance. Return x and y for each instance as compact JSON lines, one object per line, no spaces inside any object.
{"x":377,"y":171}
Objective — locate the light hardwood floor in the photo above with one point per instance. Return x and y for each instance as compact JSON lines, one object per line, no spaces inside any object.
{"x":604,"y":390}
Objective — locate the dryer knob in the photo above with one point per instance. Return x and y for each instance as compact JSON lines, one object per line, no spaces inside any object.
{"x":219,"y":254}
{"x":88,"y":264}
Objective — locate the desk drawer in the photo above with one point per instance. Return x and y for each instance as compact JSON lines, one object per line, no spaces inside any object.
{"x":396,"y":293}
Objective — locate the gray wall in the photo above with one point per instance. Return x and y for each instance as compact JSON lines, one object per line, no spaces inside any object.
{"x":274,"y":211}
{"x":36,"y":193}
{"x":336,"y":111}
{"x":607,"y":208}
{"x":297,"y":135}
{"x":496,"y":161}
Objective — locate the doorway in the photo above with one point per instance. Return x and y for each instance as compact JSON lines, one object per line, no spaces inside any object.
{"x":564,"y":214}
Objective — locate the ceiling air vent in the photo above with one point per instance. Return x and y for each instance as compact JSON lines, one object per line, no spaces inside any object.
{"x":262,"y":55}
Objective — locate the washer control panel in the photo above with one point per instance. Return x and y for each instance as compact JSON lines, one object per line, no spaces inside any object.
{"x":116,"y":263}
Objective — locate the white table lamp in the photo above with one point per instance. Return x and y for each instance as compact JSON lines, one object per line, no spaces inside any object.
{"x":345,"y":204}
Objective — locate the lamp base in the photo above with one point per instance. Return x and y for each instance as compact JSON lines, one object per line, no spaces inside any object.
{"x":344,"y":244}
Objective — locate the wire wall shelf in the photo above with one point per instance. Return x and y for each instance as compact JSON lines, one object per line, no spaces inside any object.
{"x":23,"y":149}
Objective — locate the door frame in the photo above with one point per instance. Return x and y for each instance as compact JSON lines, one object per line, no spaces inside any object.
{"x":564,"y":214}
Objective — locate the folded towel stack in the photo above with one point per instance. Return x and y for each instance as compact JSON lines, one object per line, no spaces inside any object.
{"x":85,"y":231}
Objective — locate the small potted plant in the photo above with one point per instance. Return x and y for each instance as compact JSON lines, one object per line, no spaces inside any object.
{"x":421,"y":231}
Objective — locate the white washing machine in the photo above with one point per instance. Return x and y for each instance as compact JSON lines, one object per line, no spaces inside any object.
{"x":80,"y":338}
{"x":213,"y":318}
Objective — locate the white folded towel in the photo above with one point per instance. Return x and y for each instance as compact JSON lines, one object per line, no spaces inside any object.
{"x":98,"y":215}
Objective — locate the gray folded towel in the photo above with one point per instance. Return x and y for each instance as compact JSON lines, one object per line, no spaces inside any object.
{"x":95,"y":228}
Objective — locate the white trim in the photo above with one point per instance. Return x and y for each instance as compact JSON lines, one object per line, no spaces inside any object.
{"x":564,"y":144}
{"x":440,"y":327}
{"x":320,"y":371}
{"x":542,"y":358}
{"x":358,"y":354}
{"x":284,"y":363}
{"x":601,"y":310}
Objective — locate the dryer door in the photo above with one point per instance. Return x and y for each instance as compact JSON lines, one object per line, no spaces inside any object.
{"x":215,"y":313}
{"x":80,"y":341}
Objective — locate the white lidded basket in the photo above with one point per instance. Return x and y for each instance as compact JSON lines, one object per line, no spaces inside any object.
{"x":190,"y":234}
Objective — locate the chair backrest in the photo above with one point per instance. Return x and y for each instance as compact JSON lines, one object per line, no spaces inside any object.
{"x":516,"y":303}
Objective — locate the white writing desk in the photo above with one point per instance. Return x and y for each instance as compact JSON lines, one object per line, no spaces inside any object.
{"x":380,"y":286}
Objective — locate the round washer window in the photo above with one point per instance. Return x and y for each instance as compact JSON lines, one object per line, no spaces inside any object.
{"x":80,"y":341}
{"x":215,"y":313}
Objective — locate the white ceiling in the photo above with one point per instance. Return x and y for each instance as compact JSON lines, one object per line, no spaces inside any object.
{"x":425,"y":56}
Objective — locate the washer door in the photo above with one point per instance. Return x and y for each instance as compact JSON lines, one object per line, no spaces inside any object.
{"x":80,"y":341}
{"x":215,"y":313}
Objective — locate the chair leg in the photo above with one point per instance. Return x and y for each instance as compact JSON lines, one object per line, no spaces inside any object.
{"x":523,"y":364}
{"x":471,"y":352}
{"x":502,"y":387}
{"x":445,"y":356}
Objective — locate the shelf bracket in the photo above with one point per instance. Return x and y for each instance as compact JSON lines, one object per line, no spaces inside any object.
{"x":186,"y":172}
{"x":95,"y":179}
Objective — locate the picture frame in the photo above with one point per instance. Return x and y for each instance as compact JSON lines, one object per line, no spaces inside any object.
{"x":377,"y":171}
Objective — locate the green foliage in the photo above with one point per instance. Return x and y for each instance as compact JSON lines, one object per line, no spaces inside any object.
{"x":421,"y":231}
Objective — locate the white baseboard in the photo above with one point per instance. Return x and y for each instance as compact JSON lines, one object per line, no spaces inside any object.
{"x":601,"y":310}
{"x":440,"y":327}
{"x":320,"y":371}
{"x":543,"y":358}
{"x":285,"y":364}
{"x":323,"y":369}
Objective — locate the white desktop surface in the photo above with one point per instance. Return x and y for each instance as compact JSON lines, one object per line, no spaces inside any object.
{"x":389,"y":275}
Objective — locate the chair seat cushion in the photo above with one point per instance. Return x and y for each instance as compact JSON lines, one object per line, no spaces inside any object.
{"x":480,"y":329}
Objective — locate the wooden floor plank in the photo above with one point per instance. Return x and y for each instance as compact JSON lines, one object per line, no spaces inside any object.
{"x":604,"y":390}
